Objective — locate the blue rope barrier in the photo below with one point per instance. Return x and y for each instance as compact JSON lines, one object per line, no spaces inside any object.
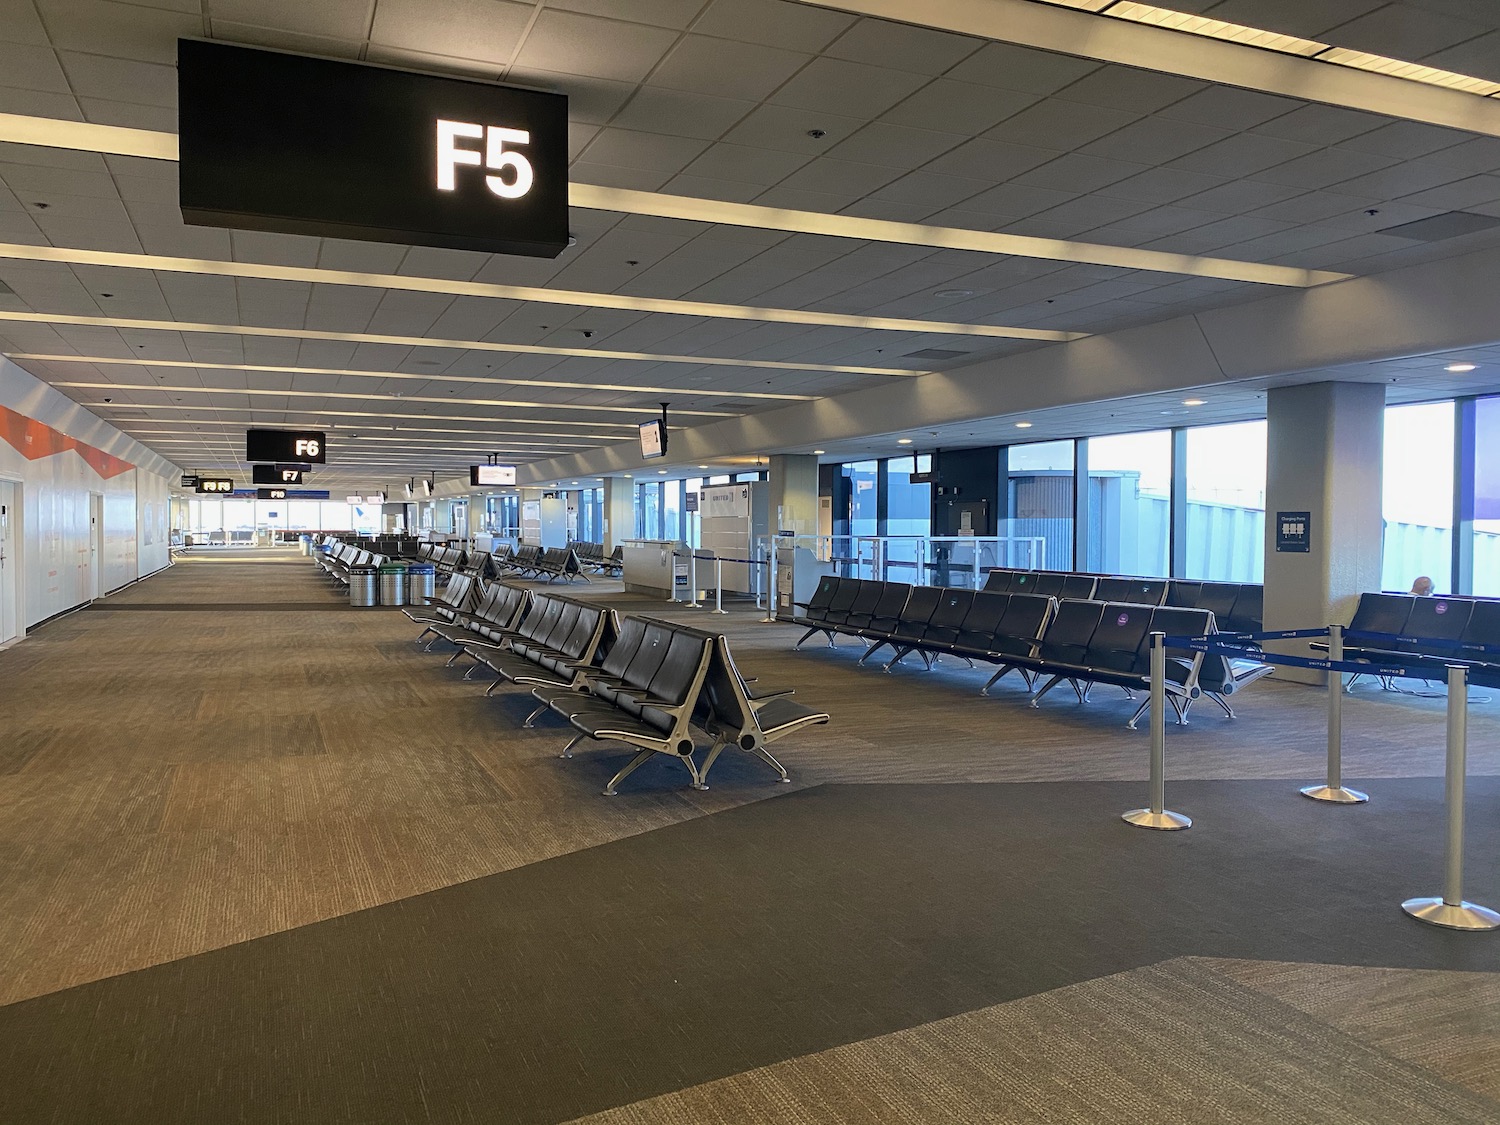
{"x":1431,"y":642}
{"x":1209,"y":644}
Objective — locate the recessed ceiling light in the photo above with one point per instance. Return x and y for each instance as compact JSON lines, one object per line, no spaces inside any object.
{"x":1460,"y":368}
{"x":662,"y":472}
{"x":702,"y":466}
{"x":819,"y":452}
{"x":903,"y":441}
{"x":954,"y":293}
{"x":1192,"y":402}
{"x":1023,"y":425}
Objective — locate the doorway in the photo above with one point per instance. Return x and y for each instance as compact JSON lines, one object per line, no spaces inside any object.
{"x":10,"y":561}
{"x":93,"y":585}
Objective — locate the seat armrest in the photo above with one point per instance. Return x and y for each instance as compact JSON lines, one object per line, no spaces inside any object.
{"x":768,"y":693}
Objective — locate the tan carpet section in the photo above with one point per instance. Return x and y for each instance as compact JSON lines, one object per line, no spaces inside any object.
{"x":1448,"y":1022}
{"x":1177,"y":1042}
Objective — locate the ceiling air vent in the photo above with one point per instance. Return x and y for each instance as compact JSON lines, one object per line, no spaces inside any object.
{"x":1440,"y":227}
{"x":936,"y":354}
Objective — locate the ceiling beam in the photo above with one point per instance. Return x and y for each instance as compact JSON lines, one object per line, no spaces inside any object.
{"x":1089,"y":36}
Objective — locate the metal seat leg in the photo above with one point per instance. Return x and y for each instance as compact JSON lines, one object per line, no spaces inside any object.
{"x":1050,"y":684}
{"x":630,"y":767}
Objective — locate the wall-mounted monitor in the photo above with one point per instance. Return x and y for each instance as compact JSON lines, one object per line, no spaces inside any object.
{"x":426,"y":487}
{"x":653,"y":438}
{"x":491,"y":476}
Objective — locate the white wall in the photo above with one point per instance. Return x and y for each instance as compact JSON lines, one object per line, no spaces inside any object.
{"x":55,"y":497}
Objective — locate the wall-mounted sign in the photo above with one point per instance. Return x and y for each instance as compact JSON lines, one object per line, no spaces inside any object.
{"x":189,"y":480}
{"x":926,"y":478}
{"x":220,"y":485}
{"x":308,"y":447}
{"x":690,"y":502}
{"x":280,"y":142}
{"x":270,"y":494}
{"x":1294,"y":532}
{"x":491,"y":475}
{"x":275,"y":474}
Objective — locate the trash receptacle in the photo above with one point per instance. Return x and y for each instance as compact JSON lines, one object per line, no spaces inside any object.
{"x":304,"y":544}
{"x":421,"y":583}
{"x":393,"y":584}
{"x":363,"y":590}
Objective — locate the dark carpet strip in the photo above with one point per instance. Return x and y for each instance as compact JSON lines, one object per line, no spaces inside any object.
{"x":733,"y":941}
{"x":225,"y":607}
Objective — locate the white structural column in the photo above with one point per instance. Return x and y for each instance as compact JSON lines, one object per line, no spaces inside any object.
{"x":793,"y":500}
{"x":1324,"y":457}
{"x":619,"y":511}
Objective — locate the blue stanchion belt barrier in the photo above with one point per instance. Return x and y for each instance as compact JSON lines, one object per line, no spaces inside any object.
{"x":1211,"y":643}
{"x":1459,"y":647}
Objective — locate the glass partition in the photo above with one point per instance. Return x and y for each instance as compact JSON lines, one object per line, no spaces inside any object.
{"x":1226,"y":502}
{"x":1040,"y":501}
{"x":1418,"y":497}
{"x":1487,"y":497}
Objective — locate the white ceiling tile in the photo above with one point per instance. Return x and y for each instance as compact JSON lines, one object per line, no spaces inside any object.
{"x":773,"y":23}
{"x":839,"y":176}
{"x":1403,"y":179}
{"x":661,"y":13}
{"x":1402,"y":32}
{"x":1321,"y":124}
{"x":745,"y":164}
{"x":1016,"y":200}
{"x":847,"y":88}
{"x":593,"y":100}
{"x":656,"y":109}
{"x":1076,"y":172}
{"x":965,"y":107}
{"x":128,"y":116}
{"x":118,"y":30}
{"x":253,"y":36}
{"x":1240,"y":196}
{"x":1479,"y":57}
{"x":1477,"y":154}
{"x":335,"y":19}
{"x":1323,"y":168}
{"x":1406,"y":140}
{"x":608,"y":175}
{"x":31,"y":67}
{"x":34,"y":103}
{"x":705,"y":187}
{"x":19,"y":23}
{"x":1228,"y":108}
{"x":1061,"y":125}
{"x":1242,"y":154}
{"x":1155,"y":140}
{"x":931,"y":190}
{"x":996,"y":161}
{"x":599,"y":48}
{"x":123,"y":80}
{"x":902,"y":46}
{"x":485,"y":30}
{"x":1143,"y":91}
{"x":703,"y":65}
{"x":789,"y":128}
{"x":1161,"y":185}
{"x":1459,"y":194}
{"x":1021,"y":68}
{"x":894,"y":146}
{"x":655,"y":152}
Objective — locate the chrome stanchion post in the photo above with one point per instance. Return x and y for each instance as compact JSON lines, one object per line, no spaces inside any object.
{"x":1333,"y":790}
{"x":719,"y":585}
{"x":1158,"y":815}
{"x":760,"y":590}
{"x":693,"y":602}
{"x":672,"y":578}
{"x":1451,"y":911}
{"x":770,"y":616}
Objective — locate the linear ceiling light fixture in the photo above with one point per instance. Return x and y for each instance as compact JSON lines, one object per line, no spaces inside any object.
{"x":356,"y":373}
{"x":379,"y":417}
{"x":125,"y":323}
{"x":167,"y":388}
{"x":310,"y":275}
{"x":1167,"y":41}
{"x":100,"y":138}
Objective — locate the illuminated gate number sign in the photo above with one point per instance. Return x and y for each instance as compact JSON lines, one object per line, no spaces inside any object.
{"x":496,"y":156}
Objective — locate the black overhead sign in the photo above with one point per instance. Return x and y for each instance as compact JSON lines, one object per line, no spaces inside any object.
{"x":221,"y":485}
{"x":303,"y":446}
{"x":278,"y":142}
{"x":270,"y":494}
{"x":276,"y":474}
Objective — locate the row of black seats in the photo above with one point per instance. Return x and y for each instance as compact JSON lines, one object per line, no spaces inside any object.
{"x":1079,"y":641}
{"x":643,"y":682}
{"x":1433,"y":632}
{"x":592,"y":555}
{"x":1238,"y":607}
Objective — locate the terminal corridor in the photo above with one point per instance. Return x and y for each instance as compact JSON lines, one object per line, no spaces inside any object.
{"x":315,"y":871}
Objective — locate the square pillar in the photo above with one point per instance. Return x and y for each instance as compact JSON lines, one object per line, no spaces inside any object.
{"x":1325,"y":448}
{"x":619,"y":511}
{"x":792,"y":499}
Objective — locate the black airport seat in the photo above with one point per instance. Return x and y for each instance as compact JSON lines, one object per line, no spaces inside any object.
{"x":558,"y":659}
{"x":999,"y":581}
{"x":1184,"y":594}
{"x":746,"y":718}
{"x":1249,"y":613}
{"x":501,"y":608}
{"x":1138,"y":591}
{"x":820,"y":616}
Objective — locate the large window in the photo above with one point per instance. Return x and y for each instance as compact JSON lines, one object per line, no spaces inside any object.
{"x":1039,"y":531}
{"x":1226,"y":502}
{"x":864,"y":497}
{"x":1129,"y":503}
{"x":1487,"y":497}
{"x":1418,"y":496}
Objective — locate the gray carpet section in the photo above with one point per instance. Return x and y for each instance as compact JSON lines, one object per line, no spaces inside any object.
{"x":1176,"y":1042}
{"x":734,"y":941}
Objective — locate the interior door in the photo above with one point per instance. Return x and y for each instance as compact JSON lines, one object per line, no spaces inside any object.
{"x":94,"y":583}
{"x":10,"y":563}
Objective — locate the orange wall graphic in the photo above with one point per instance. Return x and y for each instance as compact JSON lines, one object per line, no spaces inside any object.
{"x":33,"y":441}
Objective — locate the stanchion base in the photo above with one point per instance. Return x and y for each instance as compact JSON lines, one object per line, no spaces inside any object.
{"x":1464,"y":916}
{"x":1339,"y":796}
{"x":1166,"y":821}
